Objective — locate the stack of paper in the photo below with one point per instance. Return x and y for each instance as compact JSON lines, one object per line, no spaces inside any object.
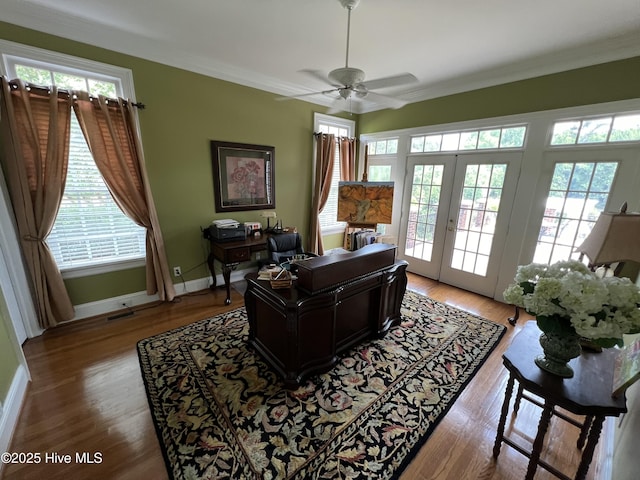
{"x":265,"y":272}
{"x":226,"y":223}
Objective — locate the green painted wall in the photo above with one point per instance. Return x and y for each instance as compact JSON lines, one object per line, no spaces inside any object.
{"x":607,"y":82}
{"x":9,"y":361}
{"x":186,"y":110}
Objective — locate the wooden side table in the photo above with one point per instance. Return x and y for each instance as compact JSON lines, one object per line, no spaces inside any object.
{"x":588,"y":393}
{"x":230,"y":254}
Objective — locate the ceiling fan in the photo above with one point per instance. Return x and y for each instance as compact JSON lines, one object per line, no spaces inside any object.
{"x":349,"y":82}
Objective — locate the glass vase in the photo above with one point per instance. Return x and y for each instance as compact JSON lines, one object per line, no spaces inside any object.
{"x":558,"y":349}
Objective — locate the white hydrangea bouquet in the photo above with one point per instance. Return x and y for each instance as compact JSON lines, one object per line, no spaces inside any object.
{"x":567,"y":296}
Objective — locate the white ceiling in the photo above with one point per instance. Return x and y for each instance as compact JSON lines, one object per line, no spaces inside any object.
{"x":450,"y":46}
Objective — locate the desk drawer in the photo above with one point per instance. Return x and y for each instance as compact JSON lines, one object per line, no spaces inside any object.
{"x":238,"y":255}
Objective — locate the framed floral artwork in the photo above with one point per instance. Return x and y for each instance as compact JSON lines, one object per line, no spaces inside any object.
{"x":243,"y":176}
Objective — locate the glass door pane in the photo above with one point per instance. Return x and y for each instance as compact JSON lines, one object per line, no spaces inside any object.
{"x":426,"y":191}
{"x":475,"y":226}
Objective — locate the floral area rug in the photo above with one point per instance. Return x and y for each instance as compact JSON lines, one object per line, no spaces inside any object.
{"x":221,"y":412}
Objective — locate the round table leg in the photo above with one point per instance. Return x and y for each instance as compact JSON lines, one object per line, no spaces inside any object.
{"x":226,"y":273}
{"x":503,"y":417}
{"x":592,"y":441}
{"x":543,"y":425}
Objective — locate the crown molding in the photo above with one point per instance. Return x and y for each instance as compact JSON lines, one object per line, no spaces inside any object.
{"x":79,"y":29}
{"x":619,"y":48}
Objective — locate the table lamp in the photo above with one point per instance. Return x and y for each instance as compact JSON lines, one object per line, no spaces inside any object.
{"x":614,"y":238}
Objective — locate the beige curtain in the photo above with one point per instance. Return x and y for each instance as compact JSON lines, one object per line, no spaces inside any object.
{"x":347,"y":159}
{"x":35,"y":137}
{"x":325,"y":155}
{"x":109,"y":128}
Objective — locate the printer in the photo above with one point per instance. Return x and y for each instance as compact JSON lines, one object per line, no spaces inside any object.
{"x":225,"y":230}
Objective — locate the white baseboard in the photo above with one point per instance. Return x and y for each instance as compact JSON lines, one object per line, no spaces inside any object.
{"x":11,"y":408}
{"x":132,"y":300}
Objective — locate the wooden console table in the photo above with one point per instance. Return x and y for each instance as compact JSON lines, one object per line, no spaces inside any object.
{"x":230,"y":254}
{"x":588,"y":393}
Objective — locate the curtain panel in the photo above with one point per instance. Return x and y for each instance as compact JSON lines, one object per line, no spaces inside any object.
{"x":325,"y":151}
{"x":35,"y":131}
{"x":347,"y":159}
{"x":35,"y":139}
{"x":109,"y":128}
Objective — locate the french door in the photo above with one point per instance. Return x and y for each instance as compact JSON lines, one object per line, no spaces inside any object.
{"x":457,"y":214}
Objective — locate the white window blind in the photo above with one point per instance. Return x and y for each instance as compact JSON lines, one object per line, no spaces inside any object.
{"x":90,"y":228}
{"x":329,"y":214}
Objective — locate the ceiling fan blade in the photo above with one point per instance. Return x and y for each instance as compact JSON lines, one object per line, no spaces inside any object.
{"x":293,"y":97}
{"x":392,"y":81}
{"x":388,"y":102}
{"x":319,"y":75}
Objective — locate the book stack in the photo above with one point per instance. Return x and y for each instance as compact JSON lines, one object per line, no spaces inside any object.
{"x":359,"y":239}
{"x":627,"y":368}
{"x":265,"y":272}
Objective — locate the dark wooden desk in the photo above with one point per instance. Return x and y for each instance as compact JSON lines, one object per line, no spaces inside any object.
{"x":230,"y":254}
{"x":588,"y":393}
{"x":300,"y":334}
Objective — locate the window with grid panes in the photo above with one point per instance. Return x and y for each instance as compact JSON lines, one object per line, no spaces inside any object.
{"x":483,"y":139}
{"x":340,"y":128}
{"x":608,"y":129}
{"x":579,"y":191}
{"x":91,"y":233}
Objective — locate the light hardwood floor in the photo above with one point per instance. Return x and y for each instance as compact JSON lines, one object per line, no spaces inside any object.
{"x":87,"y":395}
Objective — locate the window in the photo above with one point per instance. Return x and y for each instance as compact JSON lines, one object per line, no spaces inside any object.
{"x":608,"y":129}
{"x":383,"y":147}
{"x":484,"y":139}
{"x":90,"y":234}
{"x":578,"y":193}
{"x":340,"y":128}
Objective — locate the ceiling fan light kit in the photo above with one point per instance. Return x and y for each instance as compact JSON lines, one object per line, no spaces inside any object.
{"x":349,"y":4}
{"x":348,"y":80}
{"x":347,"y":76}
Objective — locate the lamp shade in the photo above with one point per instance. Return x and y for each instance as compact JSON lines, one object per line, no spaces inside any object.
{"x":615,"y":238}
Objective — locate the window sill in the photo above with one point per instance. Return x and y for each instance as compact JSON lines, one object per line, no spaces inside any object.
{"x":88,"y":270}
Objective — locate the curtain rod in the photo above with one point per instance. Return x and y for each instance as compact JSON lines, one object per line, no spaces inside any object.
{"x":63,"y":92}
{"x":315,"y":134}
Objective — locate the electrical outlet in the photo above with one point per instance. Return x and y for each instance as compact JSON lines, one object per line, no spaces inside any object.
{"x":177,"y":271}
{"x":258,"y":255}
